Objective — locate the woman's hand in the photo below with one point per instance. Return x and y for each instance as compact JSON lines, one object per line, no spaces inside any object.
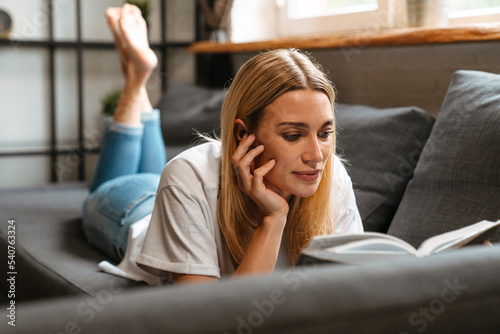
{"x":251,"y":180}
{"x":486,"y":243}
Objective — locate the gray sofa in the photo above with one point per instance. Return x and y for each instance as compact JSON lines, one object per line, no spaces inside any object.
{"x":413,"y":177}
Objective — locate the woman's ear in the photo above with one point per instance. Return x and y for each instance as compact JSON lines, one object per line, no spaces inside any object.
{"x":240,"y":128}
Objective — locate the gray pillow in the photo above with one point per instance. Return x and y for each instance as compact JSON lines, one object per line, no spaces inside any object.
{"x":457,"y":179}
{"x":382,"y":147}
{"x":185,"y":107}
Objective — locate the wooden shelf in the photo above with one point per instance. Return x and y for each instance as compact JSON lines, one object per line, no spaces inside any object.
{"x":407,"y":36}
{"x":85,"y":45}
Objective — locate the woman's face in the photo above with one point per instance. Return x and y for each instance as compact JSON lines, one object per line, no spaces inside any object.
{"x":297,"y":131}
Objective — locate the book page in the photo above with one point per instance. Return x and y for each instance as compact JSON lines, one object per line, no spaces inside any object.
{"x":458,"y":238}
{"x":333,"y":240}
{"x":352,"y":258}
{"x":375,"y":245}
{"x":358,"y":248}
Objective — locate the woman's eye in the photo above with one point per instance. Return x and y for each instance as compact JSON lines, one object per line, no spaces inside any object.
{"x":291,"y":137}
{"x":325,"y":135}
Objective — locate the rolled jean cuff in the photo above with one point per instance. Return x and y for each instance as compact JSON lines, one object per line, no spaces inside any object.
{"x":134,"y":130}
{"x":154,"y":115}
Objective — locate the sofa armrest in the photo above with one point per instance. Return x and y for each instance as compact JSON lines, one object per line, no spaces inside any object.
{"x":449,"y":293}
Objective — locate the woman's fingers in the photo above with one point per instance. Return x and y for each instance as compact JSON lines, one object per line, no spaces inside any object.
{"x":243,"y":147}
{"x":245,"y":153}
{"x":243,"y":161}
{"x":251,"y":180}
{"x":259,"y":173}
{"x":245,"y":168}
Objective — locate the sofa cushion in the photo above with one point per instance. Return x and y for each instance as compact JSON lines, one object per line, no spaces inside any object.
{"x":457,"y":179}
{"x":186,"y":107}
{"x":455,"y":292}
{"x":52,"y":256}
{"x":381,"y":148}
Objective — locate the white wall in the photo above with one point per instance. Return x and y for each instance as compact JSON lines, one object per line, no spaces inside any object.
{"x":25,"y":89}
{"x":254,"y":20}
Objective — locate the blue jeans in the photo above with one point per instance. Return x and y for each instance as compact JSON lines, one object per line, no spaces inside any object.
{"x":125,"y":183}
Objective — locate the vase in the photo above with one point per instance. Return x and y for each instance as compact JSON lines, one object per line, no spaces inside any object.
{"x":427,"y":13}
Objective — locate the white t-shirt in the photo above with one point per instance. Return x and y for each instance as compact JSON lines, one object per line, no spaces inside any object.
{"x":184,"y":236}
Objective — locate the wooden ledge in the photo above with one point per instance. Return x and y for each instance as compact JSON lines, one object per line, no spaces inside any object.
{"x":407,"y":36}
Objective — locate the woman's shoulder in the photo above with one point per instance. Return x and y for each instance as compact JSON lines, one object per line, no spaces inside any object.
{"x":205,"y":152}
{"x":339,"y":170}
{"x":198,"y":163}
{"x":341,"y":181}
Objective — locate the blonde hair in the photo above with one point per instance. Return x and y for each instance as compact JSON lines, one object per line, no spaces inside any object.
{"x":258,"y":83}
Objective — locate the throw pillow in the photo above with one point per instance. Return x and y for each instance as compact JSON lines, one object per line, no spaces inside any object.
{"x":457,"y":179}
{"x":185,"y":107}
{"x":381,"y":148}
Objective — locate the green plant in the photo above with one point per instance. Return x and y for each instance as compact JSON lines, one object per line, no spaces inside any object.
{"x":109,"y":102}
{"x":143,"y":5}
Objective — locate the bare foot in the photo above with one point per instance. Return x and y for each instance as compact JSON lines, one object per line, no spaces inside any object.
{"x":113,"y":15}
{"x":131,"y":38}
{"x":142,"y":60}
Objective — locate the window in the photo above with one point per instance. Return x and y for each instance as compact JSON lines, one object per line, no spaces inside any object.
{"x":308,"y":17}
{"x":298,"y":9}
{"x":466,"y":12}
{"x":314,"y":17}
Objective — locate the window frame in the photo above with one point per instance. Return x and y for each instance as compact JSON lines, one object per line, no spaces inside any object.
{"x":381,"y":18}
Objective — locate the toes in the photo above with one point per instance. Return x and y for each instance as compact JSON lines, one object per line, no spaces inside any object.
{"x":137,"y":11}
{"x":127,"y":16}
{"x":131,"y":12}
{"x":113,"y":15}
{"x":113,"y":11}
{"x":131,"y":9}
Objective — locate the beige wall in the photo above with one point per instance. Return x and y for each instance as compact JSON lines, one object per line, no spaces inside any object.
{"x":403,"y":75}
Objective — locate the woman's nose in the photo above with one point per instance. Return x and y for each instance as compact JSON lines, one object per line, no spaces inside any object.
{"x":312,"y":152}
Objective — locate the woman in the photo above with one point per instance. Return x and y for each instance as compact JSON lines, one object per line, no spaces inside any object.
{"x":250,"y":202}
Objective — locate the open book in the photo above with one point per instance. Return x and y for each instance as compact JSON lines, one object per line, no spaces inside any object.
{"x":374,"y":246}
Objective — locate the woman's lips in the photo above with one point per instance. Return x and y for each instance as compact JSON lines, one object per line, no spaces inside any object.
{"x":308,"y":175}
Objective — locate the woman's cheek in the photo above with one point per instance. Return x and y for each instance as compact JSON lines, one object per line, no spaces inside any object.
{"x":261,"y":160}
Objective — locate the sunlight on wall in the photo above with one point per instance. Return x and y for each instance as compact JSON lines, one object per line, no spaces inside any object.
{"x":254,"y":20}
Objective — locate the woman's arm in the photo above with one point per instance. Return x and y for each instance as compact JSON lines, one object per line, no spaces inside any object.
{"x":262,"y":252}
{"x":182,"y":278}
{"x":260,"y":256}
